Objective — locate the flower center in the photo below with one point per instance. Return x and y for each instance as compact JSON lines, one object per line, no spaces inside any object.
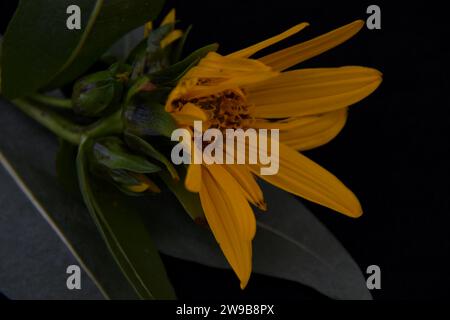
{"x":226,"y":110}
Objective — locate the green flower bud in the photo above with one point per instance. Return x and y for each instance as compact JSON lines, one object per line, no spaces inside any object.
{"x":113,"y":153}
{"x":145,"y":116}
{"x":110,"y":159}
{"x":94,"y":94}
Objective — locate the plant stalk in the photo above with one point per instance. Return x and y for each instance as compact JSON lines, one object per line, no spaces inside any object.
{"x":65,"y":128}
{"x":110,"y":125}
{"x":52,"y":121}
{"x":53,"y":101}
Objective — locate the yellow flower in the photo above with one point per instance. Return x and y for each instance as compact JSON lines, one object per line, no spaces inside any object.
{"x":308,"y":106}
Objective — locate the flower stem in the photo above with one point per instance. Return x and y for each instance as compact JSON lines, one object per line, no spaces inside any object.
{"x":65,"y":128}
{"x":52,"y":121}
{"x":53,"y":101}
{"x":107,"y":126}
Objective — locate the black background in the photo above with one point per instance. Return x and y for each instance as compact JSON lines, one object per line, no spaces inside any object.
{"x":393,"y":152}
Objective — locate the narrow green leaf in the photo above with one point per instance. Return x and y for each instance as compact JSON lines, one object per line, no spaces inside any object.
{"x":119,"y":222}
{"x":178,"y":50}
{"x":189,"y":200}
{"x":155,"y":37}
{"x":39,"y":51}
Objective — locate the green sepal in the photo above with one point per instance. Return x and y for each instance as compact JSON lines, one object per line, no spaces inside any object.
{"x":140,"y":145}
{"x":171,"y":75}
{"x":120,"y":67}
{"x":138,"y":85}
{"x":178,"y":49}
{"x":112,"y":153}
{"x":148,"y":56}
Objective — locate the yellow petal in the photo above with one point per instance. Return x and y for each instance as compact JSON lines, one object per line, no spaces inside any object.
{"x":229,"y":84}
{"x":302,"y":177}
{"x":144,"y":185}
{"x":248,"y":184}
{"x":230,"y":188}
{"x":216,"y":73}
{"x":306,"y":132}
{"x":188,"y":114}
{"x":193,"y":181}
{"x":217,"y":214}
{"x":230,"y":218}
{"x":148,"y":28}
{"x":171,"y":37}
{"x":215,"y":65}
{"x":223,"y":73}
{"x":190,"y":109}
{"x":316,"y":133}
{"x":312,"y":91}
{"x":249,"y":51}
{"x":283,"y":124}
{"x":291,"y":56}
{"x":169,"y":18}
{"x":138,"y":188}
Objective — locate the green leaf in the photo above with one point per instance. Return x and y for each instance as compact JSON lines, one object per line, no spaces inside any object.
{"x":39,"y":51}
{"x":142,"y":146}
{"x":112,"y":153}
{"x":66,"y":170}
{"x":119,"y":221}
{"x":122,"y":49}
{"x":172,"y":74}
